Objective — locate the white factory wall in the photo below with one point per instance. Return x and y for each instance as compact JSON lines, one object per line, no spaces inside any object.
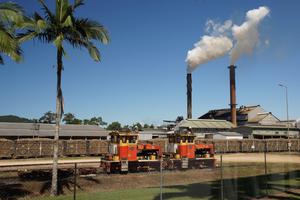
{"x":223,"y":137}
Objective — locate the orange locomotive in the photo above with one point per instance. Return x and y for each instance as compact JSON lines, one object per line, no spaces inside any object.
{"x":183,"y":153}
{"x":126,"y":155}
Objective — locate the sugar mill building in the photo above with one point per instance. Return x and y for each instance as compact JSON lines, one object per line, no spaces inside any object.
{"x":255,"y":122}
{"x":202,"y":127}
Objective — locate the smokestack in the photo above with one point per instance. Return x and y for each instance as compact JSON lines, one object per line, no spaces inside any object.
{"x":189,"y":95}
{"x":232,"y":94}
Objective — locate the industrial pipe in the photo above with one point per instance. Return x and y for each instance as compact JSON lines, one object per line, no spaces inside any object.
{"x":232,"y":94}
{"x":189,"y":95}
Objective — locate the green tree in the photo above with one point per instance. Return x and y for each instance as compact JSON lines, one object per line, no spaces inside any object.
{"x":146,"y":126}
{"x":68,"y":118}
{"x":60,"y":27}
{"x":48,"y":118}
{"x":138,"y":126}
{"x":11,"y":17}
{"x":151,"y":126}
{"x":95,"y":121}
{"x":76,"y":121}
{"x":114,"y":126}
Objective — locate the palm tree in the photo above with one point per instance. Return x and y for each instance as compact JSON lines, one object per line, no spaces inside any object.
{"x":11,"y":17}
{"x":60,"y":27}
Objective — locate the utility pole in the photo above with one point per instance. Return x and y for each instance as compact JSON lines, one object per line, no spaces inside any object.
{"x":287,"y":114}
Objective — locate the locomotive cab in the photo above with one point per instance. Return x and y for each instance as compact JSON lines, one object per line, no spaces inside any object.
{"x":123,"y":145}
{"x":182,"y":144}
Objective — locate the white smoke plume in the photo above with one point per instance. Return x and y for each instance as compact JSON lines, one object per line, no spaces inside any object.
{"x":216,"y":29}
{"x":246,"y":35}
{"x":208,"y":48}
{"x":211,"y":46}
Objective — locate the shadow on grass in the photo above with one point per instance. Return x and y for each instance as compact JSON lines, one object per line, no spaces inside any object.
{"x":12,"y":191}
{"x":38,"y":182}
{"x":280,"y":186}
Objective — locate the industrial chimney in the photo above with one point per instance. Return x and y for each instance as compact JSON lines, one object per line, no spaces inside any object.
{"x":189,"y":95}
{"x":232,"y":94}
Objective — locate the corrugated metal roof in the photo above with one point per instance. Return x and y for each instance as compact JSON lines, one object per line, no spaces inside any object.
{"x":48,"y":130}
{"x":205,"y":123}
{"x":230,"y":133}
{"x":153,"y":132}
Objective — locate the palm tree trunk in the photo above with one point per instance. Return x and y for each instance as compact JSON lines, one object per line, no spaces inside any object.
{"x":57,"y":124}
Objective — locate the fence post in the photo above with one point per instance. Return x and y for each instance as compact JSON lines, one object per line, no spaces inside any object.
{"x":75,"y":181}
{"x":221,"y":165}
{"x":266,"y":170}
{"x":161,"y":177}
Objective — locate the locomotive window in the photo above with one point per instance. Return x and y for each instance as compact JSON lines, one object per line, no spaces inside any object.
{"x":131,"y":139}
{"x":134,"y":139}
{"x":178,"y":139}
{"x":124,"y":139}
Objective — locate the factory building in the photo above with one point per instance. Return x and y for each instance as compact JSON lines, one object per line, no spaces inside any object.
{"x":149,"y":134}
{"x":245,"y":115}
{"x":255,"y":122}
{"x":227,"y":136}
{"x":267,"y":131}
{"x":203,"y":127}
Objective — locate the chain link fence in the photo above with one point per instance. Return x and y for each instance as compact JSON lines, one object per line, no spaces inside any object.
{"x":236,"y":176}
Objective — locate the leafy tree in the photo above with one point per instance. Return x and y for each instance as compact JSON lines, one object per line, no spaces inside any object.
{"x":11,"y":17}
{"x":151,"y":126}
{"x":86,"y":121}
{"x":138,"y":126}
{"x":146,"y":126}
{"x":126,"y":128}
{"x":60,"y":27}
{"x":179,"y":119}
{"x":114,"y":126}
{"x":48,"y":118}
{"x":76,"y":121}
{"x":68,"y":118}
{"x":95,"y":121}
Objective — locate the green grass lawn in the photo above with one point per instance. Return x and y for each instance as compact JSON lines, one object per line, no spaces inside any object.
{"x":138,"y":194}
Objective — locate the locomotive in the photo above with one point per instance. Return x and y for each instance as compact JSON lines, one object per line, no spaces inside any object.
{"x":183,"y":153}
{"x":126,"y":154}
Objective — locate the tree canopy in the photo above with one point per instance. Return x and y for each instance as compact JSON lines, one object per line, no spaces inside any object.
{"x":114,"y":126}
{"x":11,"y":18}
{"x":48,"y":118}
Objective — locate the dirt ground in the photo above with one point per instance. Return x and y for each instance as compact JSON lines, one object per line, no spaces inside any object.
{"x":238,"y":166}
{"x":45,"y":163}
{"x":259,"y":157}
{"x":292,"y":157}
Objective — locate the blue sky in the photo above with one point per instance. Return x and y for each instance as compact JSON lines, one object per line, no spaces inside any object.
{"x":141,"y":77}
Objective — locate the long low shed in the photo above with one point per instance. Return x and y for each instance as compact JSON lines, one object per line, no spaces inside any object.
{"x":39,"y":130}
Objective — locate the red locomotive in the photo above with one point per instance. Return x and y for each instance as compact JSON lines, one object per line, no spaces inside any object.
{"x":126,"y":155}
{"x":183,"y":153}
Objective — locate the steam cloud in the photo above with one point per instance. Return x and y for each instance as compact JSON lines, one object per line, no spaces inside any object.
{"x":246,"y":35}
{"x":217,"y":41}
{"x":208,"y":48}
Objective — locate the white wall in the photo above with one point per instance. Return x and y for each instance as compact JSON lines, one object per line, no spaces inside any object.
{"x":145,"y":136}
{"x":223,"y":137}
